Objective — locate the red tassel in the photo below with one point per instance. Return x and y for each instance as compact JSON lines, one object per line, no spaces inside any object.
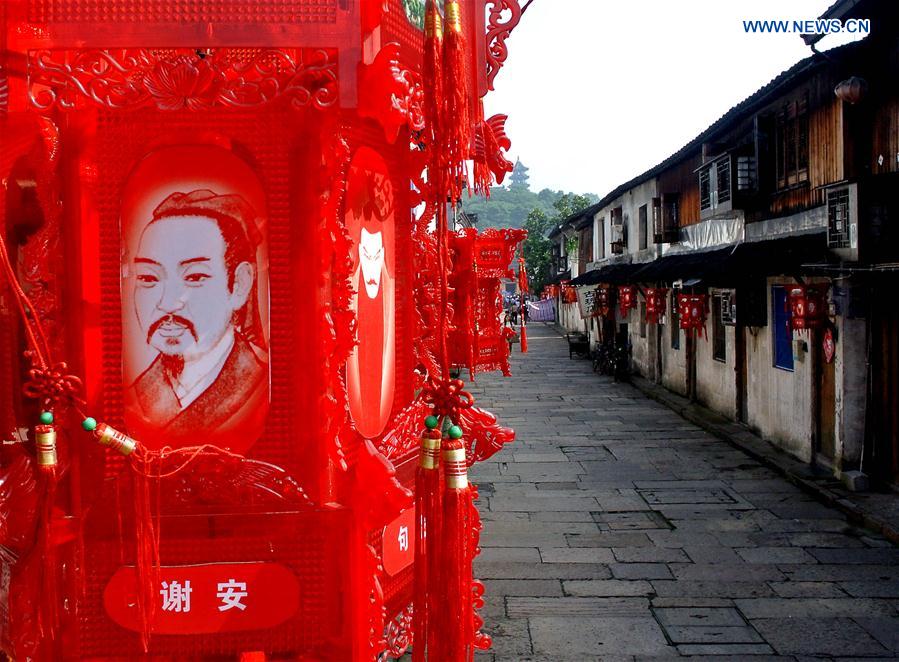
{"x":146,"y":545}
{"x":428,"y":507}
{"x":45,"y":445}
{"x":481,"y":640}
{"x":524,"y":339}
{"x":456,"y":626}
{"x":457,"y":120}
{"x":432,"y":75}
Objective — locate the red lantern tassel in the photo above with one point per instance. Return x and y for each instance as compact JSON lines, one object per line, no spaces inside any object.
{"x":524,"y":338}
{"x":457,"y":618}
{"x":457,"y":120}
{"x":432,"y":75}
{"x":45,"y":445}
{"x":428,"y":507}
{"x":146,"y":536}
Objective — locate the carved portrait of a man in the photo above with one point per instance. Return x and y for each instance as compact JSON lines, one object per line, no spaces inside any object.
{"x":194,"y":291}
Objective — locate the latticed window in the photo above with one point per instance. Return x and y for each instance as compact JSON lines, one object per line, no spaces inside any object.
{"x":642,"y":229}
{"x":715,"y":186}
{"x":838,"y":219}
{"x":665,"y":218}
{"x":791,"y":146}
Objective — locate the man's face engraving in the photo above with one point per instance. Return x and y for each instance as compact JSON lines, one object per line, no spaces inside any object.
{"x":182,"y":294}
{"x":371,"y":257}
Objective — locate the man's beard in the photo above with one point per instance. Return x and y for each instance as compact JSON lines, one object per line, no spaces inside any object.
{"x":172,"y":364}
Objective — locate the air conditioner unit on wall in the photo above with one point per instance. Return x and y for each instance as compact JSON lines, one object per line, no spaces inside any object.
{"x":842,"y":221}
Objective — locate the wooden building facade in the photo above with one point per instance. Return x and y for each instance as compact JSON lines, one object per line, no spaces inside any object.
{"x":795,"y":187}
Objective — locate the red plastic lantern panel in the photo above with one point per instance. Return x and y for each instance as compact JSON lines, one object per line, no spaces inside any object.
{"x":693,"y":310}
{"x":655,"y":303}
{"x":808,"y":306}
{"x":603,"y":303}
{"x":627,"y":299}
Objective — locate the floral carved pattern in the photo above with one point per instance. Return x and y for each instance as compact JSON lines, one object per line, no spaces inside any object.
{"x":398,"y":635}
{"x":503,"y":17}
{"x":174,"y":79}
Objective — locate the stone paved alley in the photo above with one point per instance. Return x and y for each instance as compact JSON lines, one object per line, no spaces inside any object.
{"x":614,"y":529}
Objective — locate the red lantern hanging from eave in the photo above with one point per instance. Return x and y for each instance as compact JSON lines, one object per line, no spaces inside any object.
{"x":569,"y":293}
{"x":693,"y":309}
{"x":627,"y":299}
{"x":603,"y":301}
{"x":655,"y":303}
{"x":808,"y":306}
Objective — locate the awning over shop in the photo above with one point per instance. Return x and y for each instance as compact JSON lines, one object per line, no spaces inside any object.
{"x":752,"y":259}
{"x":620,"y":273}
{"x":558,"y":278}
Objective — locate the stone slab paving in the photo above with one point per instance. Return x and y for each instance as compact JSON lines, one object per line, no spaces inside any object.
{"x":614,"y":529}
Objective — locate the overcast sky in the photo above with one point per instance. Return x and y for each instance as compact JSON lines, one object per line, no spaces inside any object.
{"x":598,"y":91}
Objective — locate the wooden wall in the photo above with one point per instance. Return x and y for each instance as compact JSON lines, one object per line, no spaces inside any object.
{"x":682,"y":179}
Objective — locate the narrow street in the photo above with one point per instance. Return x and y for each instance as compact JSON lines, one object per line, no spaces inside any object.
{"x":614,"y":529}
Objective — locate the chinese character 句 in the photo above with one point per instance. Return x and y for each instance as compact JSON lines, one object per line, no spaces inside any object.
{"x":403,"y":538}
{"x":175,"y":596}
{"x":231,"y":593}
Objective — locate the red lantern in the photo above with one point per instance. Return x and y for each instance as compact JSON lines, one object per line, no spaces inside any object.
{"x":693,"y":309}
{"x":808,"y":306}
{"x":603,"y":305}
{"x":569,"y":293}
{"x":627,"y":299}
{"x":476,"y":340}
{"x":655,"y":303}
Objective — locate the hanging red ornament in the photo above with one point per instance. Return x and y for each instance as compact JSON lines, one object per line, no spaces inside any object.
{"x":627,"y":299}
{"x":456,"y":623}
{"x":693,"y":310}
{"x":456,"y":120}
{"x":428,"y":514}
{"x":656,"y":298}
{"x":603,"y":301}
{"x":807,"y":306}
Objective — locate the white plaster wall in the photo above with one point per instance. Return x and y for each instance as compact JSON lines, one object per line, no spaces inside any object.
{"x":716,"y":385}
{"x":674,"y":361}
{"x":631,"y":203}
{"x":642,"y":351}
{"x":851,"y":390}
{"x":570,"y":315}
{"x":778,"y":403}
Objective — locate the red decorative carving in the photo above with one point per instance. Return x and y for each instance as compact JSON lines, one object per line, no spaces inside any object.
{"x":172,"y":79}
{"x":498,"y":31}
{"x":391,"y":94}
{"x":398,"y":635}
{"x":185,"y":82}
{"x":491,"y":143}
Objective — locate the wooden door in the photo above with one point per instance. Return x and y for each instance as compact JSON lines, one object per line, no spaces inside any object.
{"x":884,"y":401}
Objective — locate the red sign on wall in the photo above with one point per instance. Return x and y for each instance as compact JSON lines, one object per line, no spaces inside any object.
{"x":201,"y":599}
{"x":399,"y":542}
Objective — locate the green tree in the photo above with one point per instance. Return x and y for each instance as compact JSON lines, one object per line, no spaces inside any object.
{"x":537,"y":248}
{"x":415,"y":11}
